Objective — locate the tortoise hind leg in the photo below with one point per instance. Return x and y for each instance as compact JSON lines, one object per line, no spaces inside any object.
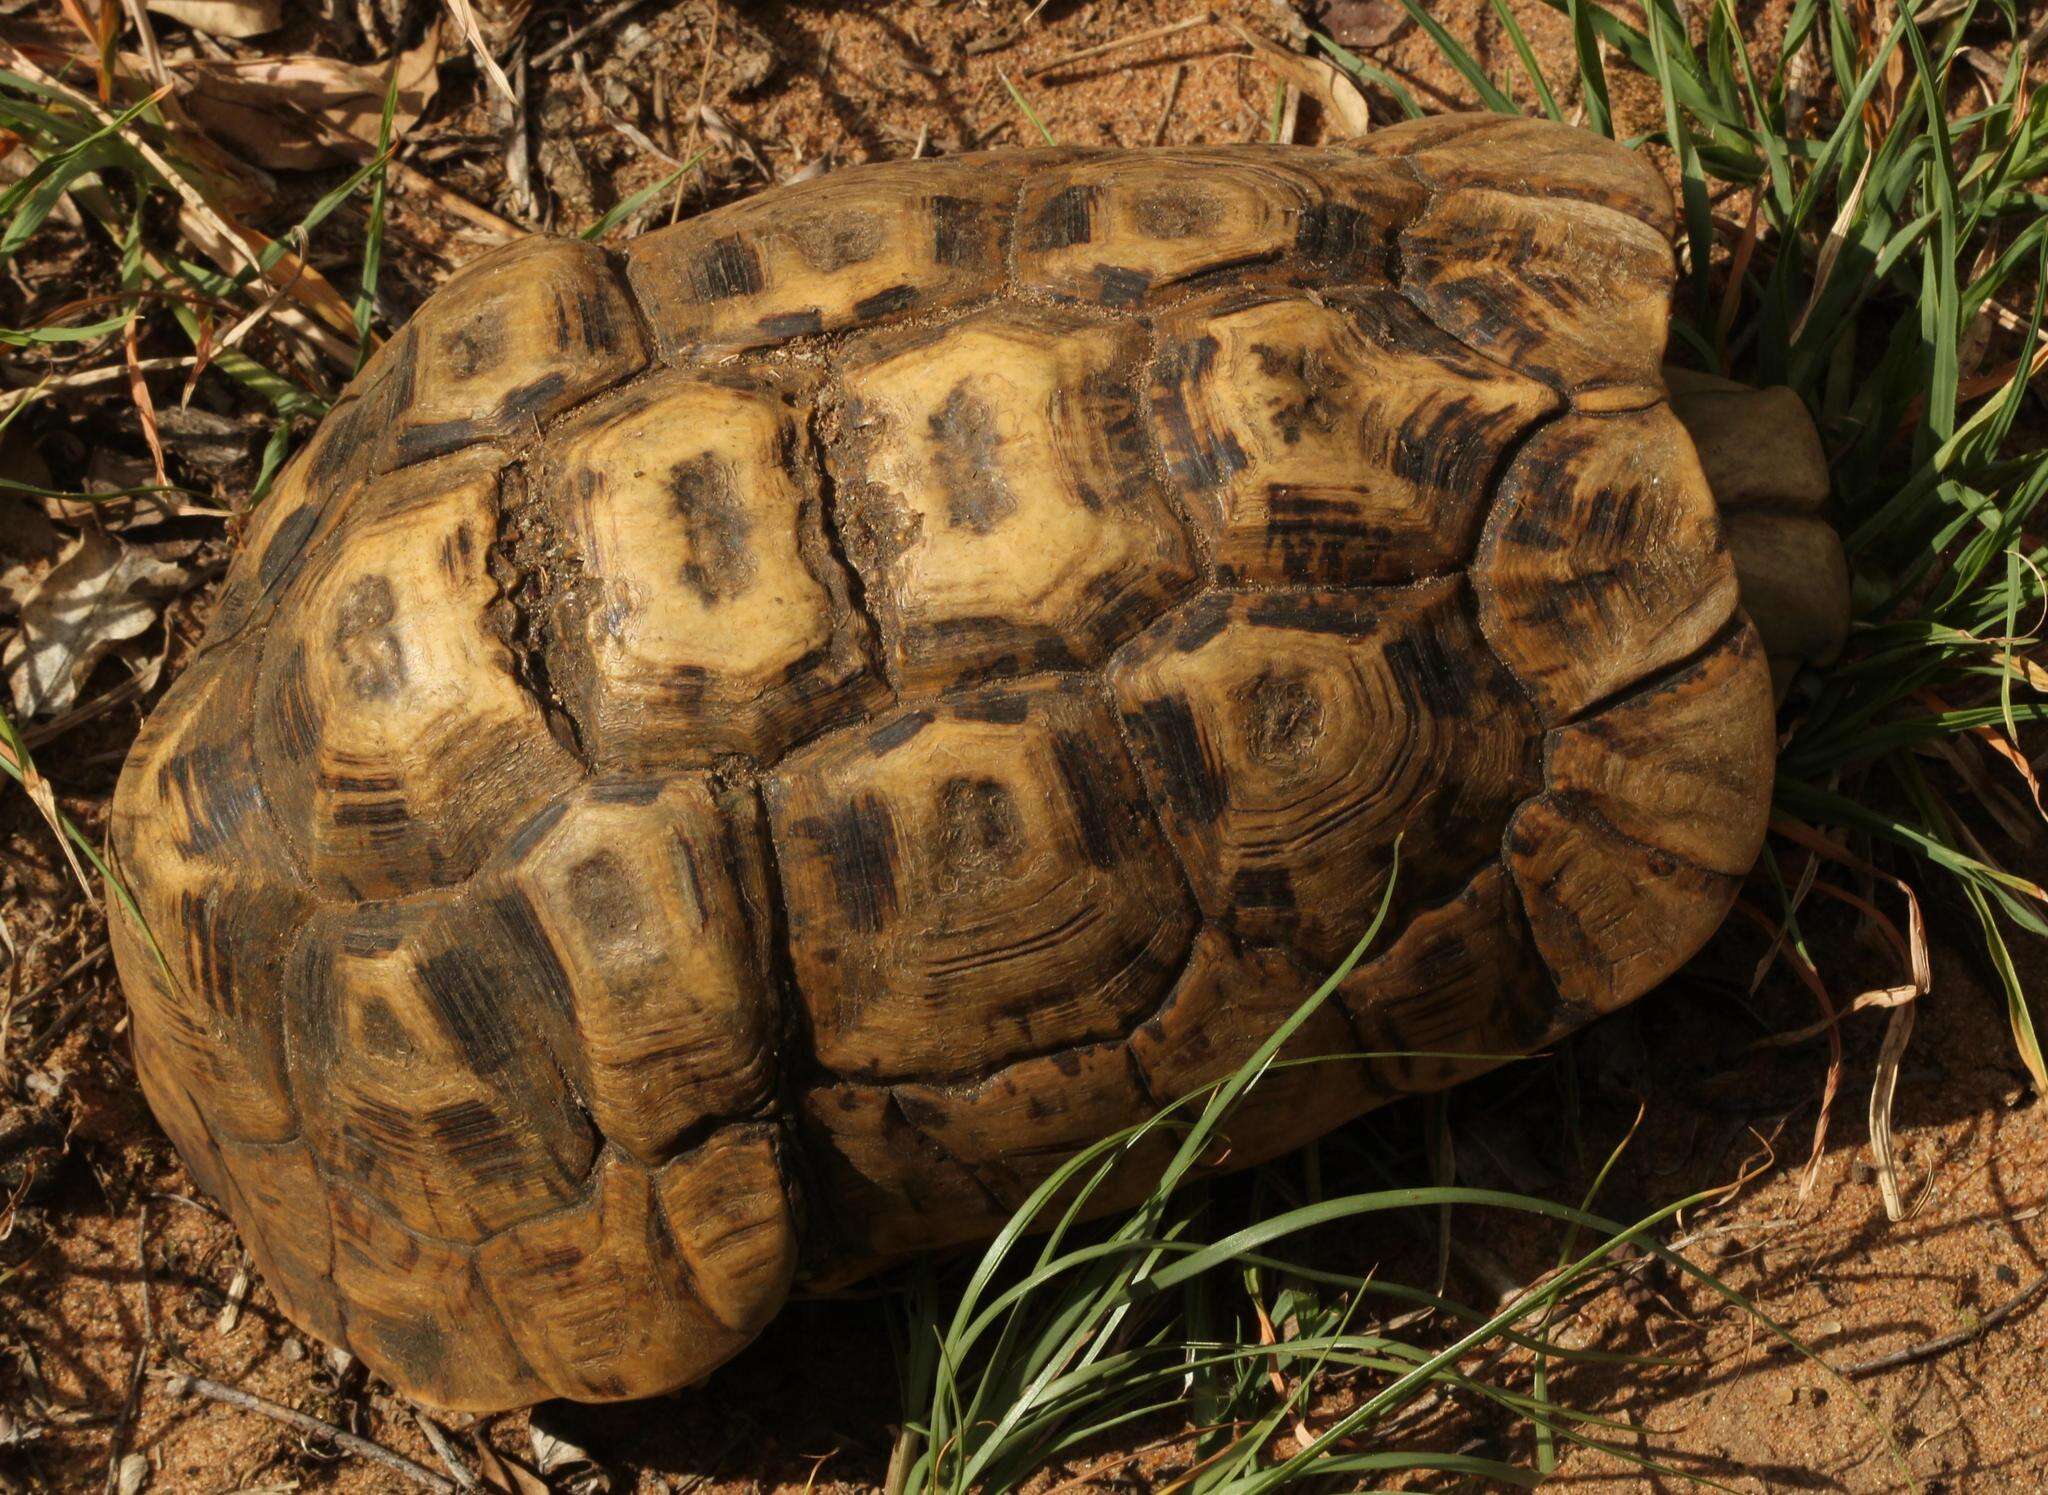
{"x":1763,"y":460}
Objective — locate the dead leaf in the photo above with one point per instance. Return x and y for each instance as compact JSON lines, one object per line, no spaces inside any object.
{"x":304,"y":113}
{"x":99,"y":593}
{"x":1344,"y":107}
{"x":236,"y":18}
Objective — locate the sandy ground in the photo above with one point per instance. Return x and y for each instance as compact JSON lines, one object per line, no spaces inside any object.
{"x":108,"y":1250}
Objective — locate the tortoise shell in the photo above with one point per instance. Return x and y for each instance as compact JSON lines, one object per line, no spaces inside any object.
{"x":722,"y":765}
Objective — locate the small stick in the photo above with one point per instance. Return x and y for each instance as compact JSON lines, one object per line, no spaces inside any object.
{"x":1204,"y":18}
{"x":464,"y":1480}
{"x":179,"y":1383}
{"x":1927,"y":1349}
{"x":35,"y":1046}
{"x":584,"y":32}
{"x":1180,"y":73}
{"x":130,"y":1404}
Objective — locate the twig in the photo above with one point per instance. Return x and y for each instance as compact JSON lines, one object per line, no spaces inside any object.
{"x":36,"y":1046}
{"x":1180,"y":73}
{"x":583,"y":33}
{"x":1203,"y":18}
{"x":464,"y":1480}
{"x":180,"y":1384}
{"x":1927,"y":1349}
{"x":118,"y":1442}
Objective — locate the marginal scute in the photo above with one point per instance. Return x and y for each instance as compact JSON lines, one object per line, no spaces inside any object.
{"x":426,"y":1039}
{"x":643,"y":892}
{"x":220,"y":894}
{"x":843,"y":251}
{"x":1571,"y":292}
{"x":514,"y":338}
{"x":396,"y":740}
{"x":1611,"y":916}
{"x":726,"y":1207}
{"x":1534,"y":158}
{"x":973,"y":881}
{"x":702,"y":613}
{"x":1602,"y":561}
{"x":887,"y":1188}
{"x":1289,"y":738}
{"x":1452,"y":994}
{"x":1015,"y":1127}
{"x":417,"y":1314}
{"x":1684,"y":763}
{"x":1115,"y":229}
{"x":280,"y":1206}
{"x":995,"y":495}
{"x":593,"y":1294}
{"x":1227,"y":1003}
{"x":1337,"y":442}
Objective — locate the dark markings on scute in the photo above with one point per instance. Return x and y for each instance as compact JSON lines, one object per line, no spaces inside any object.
{"x":887,"y":739}
{"x":1176,"y":212}
{"x":1120,"y":286}
{"x":1090,"y":778}
{"x":832,"y":241}
{"x":1165,"y":729}
{"x":518,"y":409}
{"x":980,"y":831}
{"x":885,"y":303}
{"x":1194,"y":460}
{"x":215,"y":793}
{"x":629,"y":792}
{"x":294,"y":715}
{"x":1066,"y":219}
{"x":605,"y":903}
{"x":967,"y":447}
{"x":598,"y":315}
{"x":1005,"y":707}
{"x":1429,"y":672}
{"x":1320,"y":392}
{"x":473,"y":346}
{"x":1067,"y":1062}
{"x":285,"y":546}
{"x":478,"y":1140}
{"x":716,"y":527}
{"x":1283,"y":718}
{"x":365,"y":641}
{"x":786,"y":324}
{"x":1262,"y":888}
{"x":1208,"y":617}
{"x":1335,"y":233}
{"x":530,"y":835}
{"x":418,"y":1344}
{"x":1312,"y":615}
{"x":959,"y":231}
{"x":858,"y":842}
{"x":730,"y":267}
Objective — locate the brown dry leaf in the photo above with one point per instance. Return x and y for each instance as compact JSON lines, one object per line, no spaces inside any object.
{"x":1344,"y":107}
{"x":98,"y":594}
{"x":236,"y":18}
{"x":303,"y":113}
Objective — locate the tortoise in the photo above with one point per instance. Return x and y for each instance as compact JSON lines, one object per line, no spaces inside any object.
{"x":721,"y":764}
